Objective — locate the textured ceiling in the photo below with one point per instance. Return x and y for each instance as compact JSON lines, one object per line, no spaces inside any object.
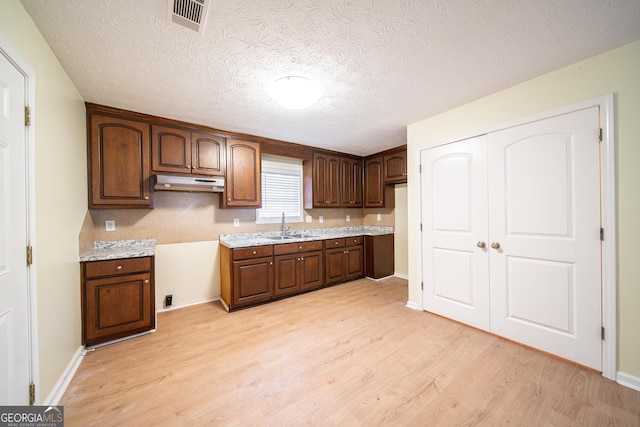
{"x":383,"y":63}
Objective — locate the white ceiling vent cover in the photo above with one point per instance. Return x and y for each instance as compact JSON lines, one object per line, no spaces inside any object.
{"x":189,"y":13}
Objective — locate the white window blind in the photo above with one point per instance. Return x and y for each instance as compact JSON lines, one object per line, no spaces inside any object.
{"x":281,"y":190}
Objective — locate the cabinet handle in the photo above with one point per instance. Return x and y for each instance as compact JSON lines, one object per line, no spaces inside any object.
{"x":146,"y":197}
{"x":119,"y":267}
{"x":302,"y":259}
{"x":481,"y":245}
{"x":228,"y":200}
{"x":495,"y":245}
{"x":336,"y":243}
{"x":270,"y":262}
{"x":254,"y":252}
{"x":146,"y":281}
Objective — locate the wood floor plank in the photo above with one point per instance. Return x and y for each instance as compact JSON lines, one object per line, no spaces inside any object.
{"x":347,"y":355}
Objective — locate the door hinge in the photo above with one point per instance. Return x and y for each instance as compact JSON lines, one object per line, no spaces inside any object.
{"x":602,"y":234}
{"x":420,"y":168}
{"x":600,"y":135}
{"x":420,"y":226}
{"x":32,"y":394}
{"x":29,"y":255}
{"x":422,"y":285}
{"x":602,"y":333}
{"x":27,"y":116}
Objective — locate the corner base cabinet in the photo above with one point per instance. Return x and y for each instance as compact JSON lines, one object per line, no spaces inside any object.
{"x":118,"y":299}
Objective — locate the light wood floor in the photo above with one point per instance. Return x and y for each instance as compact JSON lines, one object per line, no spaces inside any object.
{"x":348,"y":355}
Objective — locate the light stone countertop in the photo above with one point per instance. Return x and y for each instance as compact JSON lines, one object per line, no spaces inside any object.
{"x":242,"y":240}
{"x":119,"y":249}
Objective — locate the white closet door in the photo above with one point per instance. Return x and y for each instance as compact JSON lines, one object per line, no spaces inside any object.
{"x":454,"y":223}
{"x":544,"y":212}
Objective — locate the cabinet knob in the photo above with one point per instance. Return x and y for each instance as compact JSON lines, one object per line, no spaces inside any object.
{"x":495,"y":245}
{"x":254,"y":252}
{"x":146,"y":281}
{"x":336,"y":243}
{"x":146,"y":197}
{"x":300,"y":247}
{"x":481,"y":245}
{"x":228,"y":200}
{"x":302,"y":259}
{"x":119,"y":267}
{"x":270,"y":262}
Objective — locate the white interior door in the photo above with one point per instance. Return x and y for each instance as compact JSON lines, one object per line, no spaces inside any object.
{"x":14,"y":315}
{"x":544,"y":207}
{"x":454,"y":231}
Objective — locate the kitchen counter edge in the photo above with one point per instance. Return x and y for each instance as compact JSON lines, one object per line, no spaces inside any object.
{"x":119,"y":249}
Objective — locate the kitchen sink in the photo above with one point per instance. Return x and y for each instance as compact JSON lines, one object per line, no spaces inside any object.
{"x":291,"y":236}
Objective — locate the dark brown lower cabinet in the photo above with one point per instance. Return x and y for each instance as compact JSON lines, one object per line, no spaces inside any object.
{"x":298,"y":267}
{"x":379,"y":252}
{"x":343,"y":262}
{"x":118,"y":299}
{"x":246,"y":275}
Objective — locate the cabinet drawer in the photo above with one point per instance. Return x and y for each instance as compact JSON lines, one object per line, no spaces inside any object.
{"x":288,"y":248}
{"x":116,"y":267}
{"x":334,"y":243}
{"x":354,"y":241}
{"x":252,"y":252}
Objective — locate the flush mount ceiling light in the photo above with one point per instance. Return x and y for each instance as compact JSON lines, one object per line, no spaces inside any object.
{"x":295,"y":92}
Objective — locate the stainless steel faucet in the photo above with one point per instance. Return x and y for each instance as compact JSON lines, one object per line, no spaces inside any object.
{"x":284,"y":230}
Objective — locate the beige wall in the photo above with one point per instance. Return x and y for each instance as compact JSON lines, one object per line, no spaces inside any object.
{"x":400,"y":244}
{"x":61,"y":188}
{"x":612,"y":72}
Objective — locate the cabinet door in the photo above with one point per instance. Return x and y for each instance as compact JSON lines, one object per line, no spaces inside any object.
{"x":117,"y":306}
{"x":395,"y":167}
{"x":326,"y":180}
{"x":170,"y":150}
{"x":354,"y":263}
{"x":286,"y":274}
{"x":351,"y":183}
{"x":252,"y":281}
{"x":207,"y":154}
{"x":243,"y":179}
{"x":311,"y":269}
{"x":374,"y":183}
{"x":119,"y":163}
{"x":334,"y":265}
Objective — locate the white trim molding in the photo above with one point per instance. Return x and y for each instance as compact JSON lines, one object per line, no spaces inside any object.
{"x":629,"y":380}
{"x":65,"y":379}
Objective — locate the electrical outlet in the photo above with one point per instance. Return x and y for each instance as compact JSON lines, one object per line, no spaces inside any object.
{"x":168,"y":300}
{"x":378,"y":217}
{"x":308,"y":218}
{"x":236,"y":222}
{"x":110,"y":225}
{"x":348,"y":218}
{"x":321,"y":219}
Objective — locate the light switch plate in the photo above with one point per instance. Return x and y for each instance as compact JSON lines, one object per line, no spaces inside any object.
{"x":321,"y":219}
{"x":378,"y":217}
{"x":236,"y":222}
{"x":348,"y":218}
{"x":110,"y":225}
{"x":308,"y":218}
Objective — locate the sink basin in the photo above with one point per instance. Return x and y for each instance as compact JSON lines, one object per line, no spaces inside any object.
{"x":291,"y":236}
{"x":287,"y":237}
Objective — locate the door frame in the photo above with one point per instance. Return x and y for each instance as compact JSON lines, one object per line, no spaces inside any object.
{"x":30,"y":85}
{"x":608,"y":210}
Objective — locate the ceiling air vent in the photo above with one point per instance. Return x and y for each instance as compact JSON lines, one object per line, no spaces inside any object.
{"x":189,"y":13}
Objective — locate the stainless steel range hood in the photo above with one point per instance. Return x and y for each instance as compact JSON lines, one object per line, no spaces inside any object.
{"x":184,"y":183}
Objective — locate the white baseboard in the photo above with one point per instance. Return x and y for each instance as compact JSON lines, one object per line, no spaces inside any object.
{"x":628,"y":380}
{"x":177,"y":307}
{"x":412,"y":305}
{"x":400,"y":275}
{"x":53,"y":399}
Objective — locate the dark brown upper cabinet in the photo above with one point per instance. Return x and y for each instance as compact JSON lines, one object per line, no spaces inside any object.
{"x":374,"y":182}
{"x":395,"y":167}
{"x":350,"y":183}
{"x":243,"y":179}
{"x":326,"y":180}
{"x":188,"y":152}
{"x":118,"y":166}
